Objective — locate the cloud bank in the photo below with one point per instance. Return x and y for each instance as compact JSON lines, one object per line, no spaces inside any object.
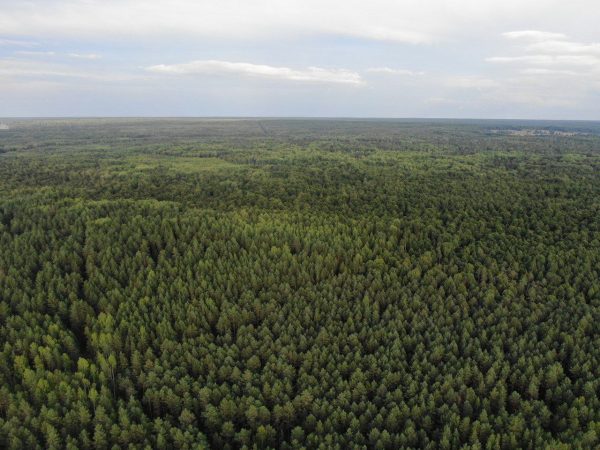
{"x":430,"y":58}
{"x":407,"y":21}
{"x":215,"y":67}
{"x":390,"y":71}
{"x":545,"y":52}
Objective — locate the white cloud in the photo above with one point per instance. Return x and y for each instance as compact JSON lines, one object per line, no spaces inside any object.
{"x":565,"y":47}
{"x":216,"y":67}
{"x":389,"y":70}
{"x":552,"y":53}
{"x":16,"y":43}
{"x":232,"y":19}
{"x":34,"y":53}
{"x":534,"y":35}
{"x":84,"y":56}
{"x":540,"y":71}
{"x":392,"y":34}
{"x":548,"y":60}
{"x":406,"y":21}
{"x":17,"y":69}
{"x":546,"y":70}
{"x":21,"y":68}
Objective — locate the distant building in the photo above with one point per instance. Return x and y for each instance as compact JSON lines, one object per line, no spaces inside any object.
{"x":3,"y":126}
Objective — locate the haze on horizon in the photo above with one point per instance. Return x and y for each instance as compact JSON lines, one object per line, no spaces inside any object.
{"x":538,"y":59}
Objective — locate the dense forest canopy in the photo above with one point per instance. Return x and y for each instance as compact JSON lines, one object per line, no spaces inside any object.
{"x":299,"y":284}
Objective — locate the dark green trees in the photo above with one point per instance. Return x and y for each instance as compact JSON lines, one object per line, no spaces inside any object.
{"x":320,"y":292}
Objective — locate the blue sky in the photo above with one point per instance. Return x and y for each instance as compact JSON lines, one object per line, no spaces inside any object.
{"x":382,"y":58}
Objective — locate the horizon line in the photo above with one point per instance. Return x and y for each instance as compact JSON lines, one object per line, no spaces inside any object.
{"x":285,"y":117}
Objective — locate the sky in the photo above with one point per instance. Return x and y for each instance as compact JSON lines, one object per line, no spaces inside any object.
{"x":530,"y":59}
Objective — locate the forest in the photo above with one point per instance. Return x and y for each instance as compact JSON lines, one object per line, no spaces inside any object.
{"x":296,"y":283}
